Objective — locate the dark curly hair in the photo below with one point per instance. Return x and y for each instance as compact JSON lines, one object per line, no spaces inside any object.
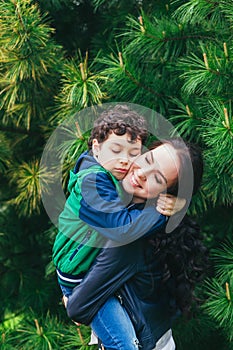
{"x":184,"y":258}
{"x":186,"y":151}
{"x":120,"y":120}
{"x":182,"y":253}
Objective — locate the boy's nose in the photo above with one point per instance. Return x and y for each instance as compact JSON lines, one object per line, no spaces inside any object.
{"x":124,"y":161}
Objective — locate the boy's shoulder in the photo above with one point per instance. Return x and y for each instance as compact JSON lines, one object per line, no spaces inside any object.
{"x":87,"y":164}
{"x":88,"y":168}
{"x":96,"y":172}
{"x":85,"y":161}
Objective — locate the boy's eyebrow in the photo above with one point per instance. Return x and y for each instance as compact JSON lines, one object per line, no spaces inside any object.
{"x":122,"y":145}
{"x":117,"y":143}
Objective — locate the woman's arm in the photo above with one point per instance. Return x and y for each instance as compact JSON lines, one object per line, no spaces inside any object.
{"x":113,"y":267}
{"x":115,"y":271}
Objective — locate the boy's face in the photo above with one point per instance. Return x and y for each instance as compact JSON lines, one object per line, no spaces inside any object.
{"x":117,"y":153}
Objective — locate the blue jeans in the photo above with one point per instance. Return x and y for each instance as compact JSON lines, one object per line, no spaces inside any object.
{"x":114,"y":327}
{"x":67,"y":291}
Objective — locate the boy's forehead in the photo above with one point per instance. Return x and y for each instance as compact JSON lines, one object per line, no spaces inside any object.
{"x":123,"y":139}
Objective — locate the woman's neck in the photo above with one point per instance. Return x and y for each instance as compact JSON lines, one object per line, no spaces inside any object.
{"x":138,"y":199}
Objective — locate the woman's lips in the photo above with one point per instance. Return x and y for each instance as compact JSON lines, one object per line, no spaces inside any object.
{"x":133,"y":181}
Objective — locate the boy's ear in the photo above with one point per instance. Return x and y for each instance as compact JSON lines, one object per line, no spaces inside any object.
{"x":95,"y":147}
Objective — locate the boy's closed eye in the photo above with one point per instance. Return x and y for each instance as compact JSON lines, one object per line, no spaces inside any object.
{"x":132,"y":154}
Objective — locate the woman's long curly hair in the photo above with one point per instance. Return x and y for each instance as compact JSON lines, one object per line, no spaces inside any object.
{"x":184,"y":259}
{"x":182,"y":253}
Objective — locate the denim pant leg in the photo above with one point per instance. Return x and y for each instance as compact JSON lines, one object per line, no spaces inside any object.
{"x":114,"y":327}
{"x":67,"y":291}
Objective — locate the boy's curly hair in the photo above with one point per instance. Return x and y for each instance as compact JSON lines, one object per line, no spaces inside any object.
{"x":119,"y":120}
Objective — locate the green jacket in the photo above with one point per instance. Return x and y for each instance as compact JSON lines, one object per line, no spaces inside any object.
{"x":77,"y":244}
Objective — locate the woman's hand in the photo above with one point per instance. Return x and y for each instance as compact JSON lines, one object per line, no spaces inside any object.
{"x":169,"y":205}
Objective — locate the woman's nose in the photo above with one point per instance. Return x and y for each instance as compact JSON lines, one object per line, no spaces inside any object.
{"x":141,"y":174}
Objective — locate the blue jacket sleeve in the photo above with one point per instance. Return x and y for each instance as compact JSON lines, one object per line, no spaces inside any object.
{"x":112,"y":268}
{"x":102,"y":209}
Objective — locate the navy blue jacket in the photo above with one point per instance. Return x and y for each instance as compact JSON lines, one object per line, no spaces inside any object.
{"x":133,"y":272}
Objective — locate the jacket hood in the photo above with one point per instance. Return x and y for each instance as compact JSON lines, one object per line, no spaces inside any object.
{"x":85,"y":161}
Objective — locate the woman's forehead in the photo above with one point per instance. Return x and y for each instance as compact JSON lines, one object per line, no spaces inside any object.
{"x":166,"y":151}
{"x":167,"y":160}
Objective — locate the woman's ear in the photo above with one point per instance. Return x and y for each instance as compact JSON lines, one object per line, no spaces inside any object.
{"x":95,"y":147}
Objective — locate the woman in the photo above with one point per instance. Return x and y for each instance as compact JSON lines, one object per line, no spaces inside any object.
{"x":134,"y":271}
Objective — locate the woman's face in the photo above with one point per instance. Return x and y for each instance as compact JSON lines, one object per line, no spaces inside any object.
{"x":152,"y":172}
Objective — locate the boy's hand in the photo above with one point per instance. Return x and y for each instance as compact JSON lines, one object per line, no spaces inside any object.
{"x":169,"y":205}
{"x":64,"y":302}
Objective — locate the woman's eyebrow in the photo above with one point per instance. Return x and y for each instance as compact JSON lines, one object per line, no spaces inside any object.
{"x":158,"y":171}
{"x":152,"y":157}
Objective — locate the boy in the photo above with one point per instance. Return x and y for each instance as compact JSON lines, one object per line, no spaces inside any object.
{"x":95,"y":209}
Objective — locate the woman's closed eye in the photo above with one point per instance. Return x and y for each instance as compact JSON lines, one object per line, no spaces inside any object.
{"x":158,"y":179}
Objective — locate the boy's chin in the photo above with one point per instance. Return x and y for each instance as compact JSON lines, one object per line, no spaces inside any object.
{"x":119,"y":177}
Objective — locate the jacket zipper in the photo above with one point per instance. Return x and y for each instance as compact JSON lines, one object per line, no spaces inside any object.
{"x":83,"y":242}
{"x":123,"y":301}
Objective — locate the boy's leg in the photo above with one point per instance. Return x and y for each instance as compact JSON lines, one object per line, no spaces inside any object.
{"x":114,"y":327}
{"x":66,"y":291}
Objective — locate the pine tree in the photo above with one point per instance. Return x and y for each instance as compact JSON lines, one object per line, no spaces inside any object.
{"x":59,"y":57}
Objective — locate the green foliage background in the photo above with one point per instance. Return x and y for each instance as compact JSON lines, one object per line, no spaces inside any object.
{"x":60,"y":56}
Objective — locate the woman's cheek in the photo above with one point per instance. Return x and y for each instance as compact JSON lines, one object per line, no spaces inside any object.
{"x":154,"y":190}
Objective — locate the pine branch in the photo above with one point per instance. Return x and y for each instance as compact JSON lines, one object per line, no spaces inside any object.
{"x":13,"y":130}
{"x":219,"y":304}
{"x":29,"y":61}
{"x":139,"y":84}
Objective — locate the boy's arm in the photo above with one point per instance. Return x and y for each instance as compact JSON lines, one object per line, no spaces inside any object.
{"x":102,"y":209}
